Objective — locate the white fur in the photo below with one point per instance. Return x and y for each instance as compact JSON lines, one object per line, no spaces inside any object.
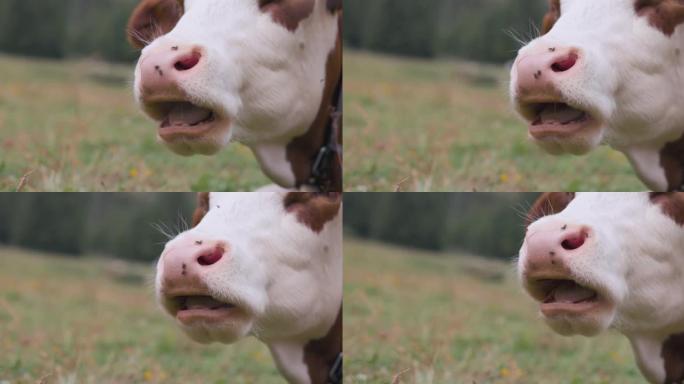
{"x":631,"y":79}
{"x":287,"y":276}
{"x":635,"y":258}
{"x":268,"y":80}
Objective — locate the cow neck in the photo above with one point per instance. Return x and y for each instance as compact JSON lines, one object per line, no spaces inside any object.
{"x":323,"y":357}
{"x":317,"y":361}
{"x":315,"y":157}
{"x":672,"y":162}
{"x":660,"y":355}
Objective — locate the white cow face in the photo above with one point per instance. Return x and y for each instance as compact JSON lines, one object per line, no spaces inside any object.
{"x":244,"y":70}
{"x":262,"y":264}
{"x":604,"y":72}
{"x":600,"y":260}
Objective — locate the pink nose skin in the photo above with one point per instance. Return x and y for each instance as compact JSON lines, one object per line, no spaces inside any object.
{"x":184,"y":262}
{"x":539,"y":71}
{"x":549,"y":247}
{"x":163,"y":68}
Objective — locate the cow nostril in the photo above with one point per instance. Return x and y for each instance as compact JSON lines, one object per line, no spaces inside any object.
{"x":188,"y":61}
{"x":565,"y":63}
{"x":211,"y":257}
{"x":574,"y":241}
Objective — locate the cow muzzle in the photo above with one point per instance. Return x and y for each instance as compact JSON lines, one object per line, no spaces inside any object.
{"x":557,"y":122}
{"x":188,"y":124}
{"x":185,"y":268}
{"x":548,"y":275}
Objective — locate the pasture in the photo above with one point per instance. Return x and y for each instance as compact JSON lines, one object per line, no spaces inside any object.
{"x":417,"y":125}
{"x":74,"y":126}
{"x":68,"y":321}
{"x":421,"y":318}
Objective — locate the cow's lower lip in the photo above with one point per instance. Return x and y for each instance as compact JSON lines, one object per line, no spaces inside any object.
{"x":557,"y":120}
{"x":187,"y":316}
{"x":170,"y":133}
{"x":202,"y":307}
{"x":565,"y":297}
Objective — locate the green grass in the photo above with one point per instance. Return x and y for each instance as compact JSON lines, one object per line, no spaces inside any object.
{"x":96,"y":321}
{"x":448,"y":126}
{"x":74,"y":126}
{"x":436,"y":318}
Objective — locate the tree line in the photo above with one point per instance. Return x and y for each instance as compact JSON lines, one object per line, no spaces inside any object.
{"x":122,"y":225}
{"x":486,"y":224}
{"x":66,"y":28}
{"x":483,"y":30}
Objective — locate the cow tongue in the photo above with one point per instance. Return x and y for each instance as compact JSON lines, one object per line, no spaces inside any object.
{"x":203,"y":302}
{"x":184,"y":113}
{"x":570,"y":292}
{"x":560,"y":113}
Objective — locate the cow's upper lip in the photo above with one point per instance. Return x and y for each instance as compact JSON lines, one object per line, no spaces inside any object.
{"x":560,"y":295}
{"x":552,"y":118}
{"x":181,"y":119}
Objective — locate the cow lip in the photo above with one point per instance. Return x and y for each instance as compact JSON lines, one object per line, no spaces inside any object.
{"x":556,"y":119}
{"x":551,"y":302}
{"x":166,"y":110}
{"x":199,"y":306}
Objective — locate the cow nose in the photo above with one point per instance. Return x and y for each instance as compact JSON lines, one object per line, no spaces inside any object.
{"x":211,"y":256}
{"x":564,"y":63}
{"x":190,"y":257}
{"x":164,"y":67}
{"x":539,"y":71}
{"x":188,"y":62}
{"x":550,"y":246}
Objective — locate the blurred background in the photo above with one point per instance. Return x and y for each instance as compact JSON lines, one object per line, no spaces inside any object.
{"x":77,"y":300}
{"x":431,"y":296}
{"x":66,"y":28}
{"x":115,"y":225}
{"x":68,"y":120}
{"x":427,"y":107}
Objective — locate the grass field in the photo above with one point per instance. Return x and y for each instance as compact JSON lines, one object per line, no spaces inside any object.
{"x":448,"y":126}
{"x":69,"y":321}
{"x":423,"y":318}
{"x":73,"y":126}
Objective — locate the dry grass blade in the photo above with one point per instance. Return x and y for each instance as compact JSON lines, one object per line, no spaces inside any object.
{"x":23,"y":181}
{"x":397,"y":378}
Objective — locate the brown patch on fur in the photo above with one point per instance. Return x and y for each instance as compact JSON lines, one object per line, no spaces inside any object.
{"x":151,"y":19}
{"x":302,"y":150}
{"x":672,"y":204}
{"x":665,"y":15}
{"x":320,"y":355}
{"x":548,"y":203}
{"x":551,"y":16}
{"x":288,"y":13}
{"x":672,"y":161}
{"x":313,"y":209}
{"x":334,"y":5}
{"x":201,"y":209}
{"x":673,"y":355}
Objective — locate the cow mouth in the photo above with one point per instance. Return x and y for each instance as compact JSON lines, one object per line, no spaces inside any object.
{"x":556,"y":120}
{"x":191,"y":308}
{"x":182,"y":119}
{"x":564,"y":297}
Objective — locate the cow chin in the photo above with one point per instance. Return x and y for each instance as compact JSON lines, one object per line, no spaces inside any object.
{"x":579,"y":144}
{"x":207,"y":145}
{"x":226,"y":332}
{"x":587,"y":324}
